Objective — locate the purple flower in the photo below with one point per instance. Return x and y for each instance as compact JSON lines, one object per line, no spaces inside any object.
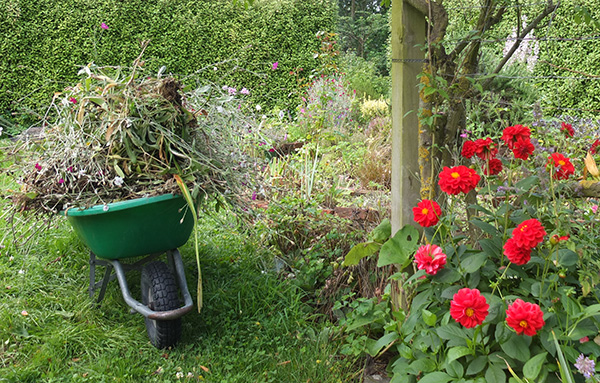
{"x":73,"y":100}
{"x":244,"y":91}
{"x":253,"y":196}
{"x":585,"y":366}
{"x":274,"y":66}
{"x":38,"y":167}
{"x":231,"y":90}
{"x":70,"y":169}
{"x":103,"y":26}
{"x":61,"y":181}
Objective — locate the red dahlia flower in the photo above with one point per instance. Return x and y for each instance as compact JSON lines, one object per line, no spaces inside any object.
{"x":594,"y":147}
{"x":427,"y":213}
{"x":512,"y":134}
{"x":493,"y":167}
{"x":528,"y":233}
{"x":486,"y":149}
{"x":430,"y":258}
{"x":522,"y":148}
{"x":458,"y":179}
{"x":563,"y":166}
{"x":526,"y":318}
{"x":518,"y":255}
{"x":567,"y":129}
{"x":468,"y":150}
{"x":469,"y":307}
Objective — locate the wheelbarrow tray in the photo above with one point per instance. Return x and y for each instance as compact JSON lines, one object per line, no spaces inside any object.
{"x":133,"y":228}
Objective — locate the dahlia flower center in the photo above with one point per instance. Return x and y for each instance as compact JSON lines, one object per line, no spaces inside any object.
{"x":455,"y":175}
{"x":469,"y":312}
{"x":523,"y":324}
{"x":561,"y":163}
{"x":523,"y":227}
{"x":425,"y":211}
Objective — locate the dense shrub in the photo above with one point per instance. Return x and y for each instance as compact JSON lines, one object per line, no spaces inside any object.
{"x":44,"y":42}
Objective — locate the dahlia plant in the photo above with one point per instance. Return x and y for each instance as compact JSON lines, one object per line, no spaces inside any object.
{"x":497,"y":289}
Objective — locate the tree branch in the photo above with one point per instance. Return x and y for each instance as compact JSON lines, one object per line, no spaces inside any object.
{"x":551,"y":7}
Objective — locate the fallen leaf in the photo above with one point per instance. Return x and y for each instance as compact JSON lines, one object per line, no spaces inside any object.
{"x":205,"y":369}
{"x":590,"y":165}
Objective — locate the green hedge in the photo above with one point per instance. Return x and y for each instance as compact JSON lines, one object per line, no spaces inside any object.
{"x":44,"y":43}
{"x":556,"y":95}
{"x":573,"y":96}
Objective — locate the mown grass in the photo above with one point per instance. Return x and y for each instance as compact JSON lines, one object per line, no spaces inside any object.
{"x":254,"y":326}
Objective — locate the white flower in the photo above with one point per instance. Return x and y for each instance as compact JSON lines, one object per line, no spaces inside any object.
{"x":0,"y":130}
{"x":281,"y":114}
{"x":118,"y":181}
{"x":220,"y":109}
{"x":190,"y":375}
{"x":179,"y":374}
{"x":258,"y":108}
{"x":105,"y":208}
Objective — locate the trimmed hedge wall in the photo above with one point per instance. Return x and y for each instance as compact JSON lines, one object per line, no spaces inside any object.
{"x":44,"y":43}
{"x":574,"y":97}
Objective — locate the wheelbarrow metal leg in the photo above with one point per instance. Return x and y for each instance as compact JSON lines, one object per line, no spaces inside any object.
{"x":92,"y":287}
{"x":105,"y":279}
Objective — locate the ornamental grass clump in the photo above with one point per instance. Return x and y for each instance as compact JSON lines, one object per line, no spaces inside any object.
{"x":501,"y":278}
{"x":121,"y":134}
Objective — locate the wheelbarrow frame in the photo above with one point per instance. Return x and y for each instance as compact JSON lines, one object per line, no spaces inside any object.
{"x":120,"y":269}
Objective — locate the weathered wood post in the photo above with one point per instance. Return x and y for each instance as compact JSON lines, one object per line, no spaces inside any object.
{"x":408,"y":31}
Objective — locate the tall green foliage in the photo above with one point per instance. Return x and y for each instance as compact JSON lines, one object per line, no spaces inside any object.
{"x":44,"y":43}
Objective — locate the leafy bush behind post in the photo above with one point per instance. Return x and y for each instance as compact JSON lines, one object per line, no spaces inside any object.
{"x":45,"y":42}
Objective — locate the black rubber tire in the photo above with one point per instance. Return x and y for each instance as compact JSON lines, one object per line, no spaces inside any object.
{"x":159,"y":293}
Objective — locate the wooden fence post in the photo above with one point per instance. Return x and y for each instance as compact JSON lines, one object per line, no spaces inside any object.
{"x":408,"y":30}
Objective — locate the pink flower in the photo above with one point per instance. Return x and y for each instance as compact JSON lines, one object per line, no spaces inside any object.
{"x":594,"y":209}
{"x":38,"y":167}
{"x":244,"y":91}
{"x":274,"y":66}
{"x":61,"y":181}
{"x":73,"y":100}
{"x":430,"y":258}
{"x":103,"y":26}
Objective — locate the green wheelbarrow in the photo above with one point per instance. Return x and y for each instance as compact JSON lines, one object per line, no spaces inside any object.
{"x":148,"y":228}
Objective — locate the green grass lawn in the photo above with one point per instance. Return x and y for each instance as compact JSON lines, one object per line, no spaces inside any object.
{"x":254,"y":326}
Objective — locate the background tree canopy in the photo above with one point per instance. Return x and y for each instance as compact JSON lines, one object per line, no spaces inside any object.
{"x":45,"y":42}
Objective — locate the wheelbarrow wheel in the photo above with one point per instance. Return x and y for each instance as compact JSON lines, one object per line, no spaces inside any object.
{"x":159,"y":293}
